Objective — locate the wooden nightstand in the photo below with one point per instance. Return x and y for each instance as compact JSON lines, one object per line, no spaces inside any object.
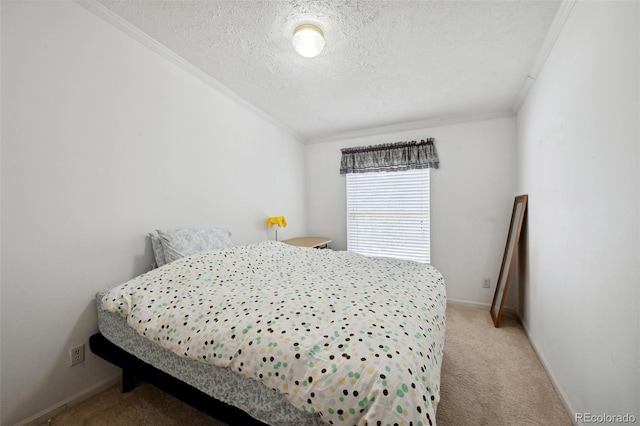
{"x":315,"y":242}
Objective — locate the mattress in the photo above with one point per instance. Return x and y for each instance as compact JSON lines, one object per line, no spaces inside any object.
{"x":243,"y":392}
{"x":290,"y":335}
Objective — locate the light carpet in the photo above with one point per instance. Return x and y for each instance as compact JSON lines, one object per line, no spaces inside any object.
{"x":490,"y":376}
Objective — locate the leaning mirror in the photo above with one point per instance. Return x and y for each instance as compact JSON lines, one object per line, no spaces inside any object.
{"x":508,"y":260}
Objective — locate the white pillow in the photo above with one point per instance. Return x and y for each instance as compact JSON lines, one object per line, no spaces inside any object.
{"x":185,"y":242}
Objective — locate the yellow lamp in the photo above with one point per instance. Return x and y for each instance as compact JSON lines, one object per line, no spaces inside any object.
{"x":279,"y":221}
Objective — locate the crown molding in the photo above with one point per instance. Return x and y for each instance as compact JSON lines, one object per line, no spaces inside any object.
{"x":545,"y":49}
{"x":412,"y":125}
{"x":125,"y":26}
{"x":120,"y":23}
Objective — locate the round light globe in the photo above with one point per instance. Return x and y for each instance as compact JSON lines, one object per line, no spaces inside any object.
{"x":308,"y":40}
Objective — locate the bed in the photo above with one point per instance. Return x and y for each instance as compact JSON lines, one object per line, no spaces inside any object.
{"x":283,"y":335}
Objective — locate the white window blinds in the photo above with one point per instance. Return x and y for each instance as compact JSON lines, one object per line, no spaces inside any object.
{"x":388,"y":214}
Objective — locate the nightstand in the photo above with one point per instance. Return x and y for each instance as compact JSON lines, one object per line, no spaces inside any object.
{"x":314,"y":242}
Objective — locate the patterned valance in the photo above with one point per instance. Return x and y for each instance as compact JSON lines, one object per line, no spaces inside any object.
{"x":390,"y":157}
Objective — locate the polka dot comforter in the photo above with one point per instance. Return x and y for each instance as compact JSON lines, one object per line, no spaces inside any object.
{"x":356,"y":339}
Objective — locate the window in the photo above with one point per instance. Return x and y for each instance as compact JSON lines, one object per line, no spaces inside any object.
{"x":388,"y":198}
{"x":388,"y":214}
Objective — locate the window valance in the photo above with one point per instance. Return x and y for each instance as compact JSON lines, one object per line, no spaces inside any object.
{"x":390,"y":157}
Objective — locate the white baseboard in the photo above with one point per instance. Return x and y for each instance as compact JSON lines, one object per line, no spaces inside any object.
{"x":478,"y":305}
{"x":65,"y":404}
{"x":554,"y":382}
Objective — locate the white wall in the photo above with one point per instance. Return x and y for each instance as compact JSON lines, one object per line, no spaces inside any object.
{"x":471,"y":199}
{"x":102,"y":141}
{"x":578,"y":160}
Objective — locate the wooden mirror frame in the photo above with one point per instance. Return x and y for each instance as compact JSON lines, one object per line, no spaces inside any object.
{"x":508,"y":260}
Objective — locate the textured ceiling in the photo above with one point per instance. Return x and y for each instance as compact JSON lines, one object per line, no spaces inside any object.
{"x":385,"y":62}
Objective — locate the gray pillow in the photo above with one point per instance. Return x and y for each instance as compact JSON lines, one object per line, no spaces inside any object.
{"x":178,"y":243}
{"x":158,"y":253}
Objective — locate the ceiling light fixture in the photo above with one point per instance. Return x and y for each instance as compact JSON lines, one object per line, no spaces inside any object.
{"x":308,"y":40}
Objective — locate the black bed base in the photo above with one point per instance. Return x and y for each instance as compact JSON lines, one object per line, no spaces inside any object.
{"x":133,"y":368}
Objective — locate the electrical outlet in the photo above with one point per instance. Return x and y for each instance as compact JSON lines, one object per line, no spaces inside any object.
{"x":486,"y":283}
{"x":77,"y":355}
